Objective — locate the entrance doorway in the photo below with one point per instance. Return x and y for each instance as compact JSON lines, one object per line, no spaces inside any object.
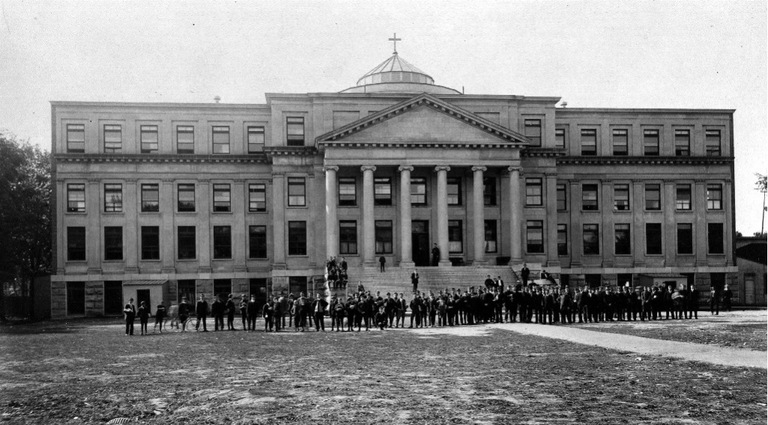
{"x":113,"y":298}
{"x":143,"y":295}
{"x":420,"y":242}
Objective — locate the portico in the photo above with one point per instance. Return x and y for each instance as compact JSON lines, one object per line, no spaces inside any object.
{"x":418,"y":146}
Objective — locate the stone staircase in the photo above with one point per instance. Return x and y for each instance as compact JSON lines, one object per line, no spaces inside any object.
{"x":396,"y":279}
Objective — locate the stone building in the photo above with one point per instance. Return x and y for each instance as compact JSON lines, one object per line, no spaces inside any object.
{"x":752,"y":288}
{"x":164,"y":200}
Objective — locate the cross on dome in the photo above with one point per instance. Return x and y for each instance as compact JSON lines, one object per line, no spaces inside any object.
{"x":395,"y":40}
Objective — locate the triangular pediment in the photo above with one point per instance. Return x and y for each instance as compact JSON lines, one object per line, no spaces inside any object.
{"x":423,"y":119}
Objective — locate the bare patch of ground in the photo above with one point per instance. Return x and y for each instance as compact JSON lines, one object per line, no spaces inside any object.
{"x":457,"y":376}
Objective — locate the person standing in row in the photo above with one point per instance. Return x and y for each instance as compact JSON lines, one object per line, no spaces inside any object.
{"x":318,"y":310}
{"x":130,"y":316}
{"x":159,"y":317}
{"x":143,"y":317}
{"x":201,"y":310}
{"x":217,"y":309}
{"x":244,"y":311}
{"x":229,"y":309}
{"x":525,"y":273}
{"x":184,"y":309}
{"x":252,"y":310}
{"x":415,"y":280}
{"x":268,"y":313}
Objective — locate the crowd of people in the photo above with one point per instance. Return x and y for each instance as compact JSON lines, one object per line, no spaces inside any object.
{"x":493,"y":303}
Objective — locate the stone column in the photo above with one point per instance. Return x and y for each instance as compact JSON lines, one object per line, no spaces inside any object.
{"x":204,"y":247}
{"x":278,"y":221}
{"x":551,"y":223}
{"x":331,"y":201}
{"x":516,"y":215}
{"x":406,"y":251}
{"x":240,"y":227}
{"x":167,"y":231}
{"x":442,"y":213}
{"x":478,"y":218}
{"x":369,"y":240}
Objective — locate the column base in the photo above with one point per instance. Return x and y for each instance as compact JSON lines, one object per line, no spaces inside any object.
{"x":480,"y":262}
{"x":515,"y":261}
{"x":444,"y":263}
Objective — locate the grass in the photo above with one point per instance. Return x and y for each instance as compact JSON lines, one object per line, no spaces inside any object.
{"x":87,"y":371}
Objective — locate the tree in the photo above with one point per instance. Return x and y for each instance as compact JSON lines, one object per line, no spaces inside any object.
{"x":25,"y":216}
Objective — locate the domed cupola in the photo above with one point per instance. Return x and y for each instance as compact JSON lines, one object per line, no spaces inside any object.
{"x":396,"y":75}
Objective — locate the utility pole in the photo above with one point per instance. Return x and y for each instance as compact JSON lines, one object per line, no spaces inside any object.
{"x":762,"y":186}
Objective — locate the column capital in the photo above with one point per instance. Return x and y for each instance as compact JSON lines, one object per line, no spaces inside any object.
{"x":480,"y":168}
{"x":333,"y":168}
{"x":405,"y":168}
{"x":442,"y":168}
{"x":514,"y":168}
{"x":365,"y":168}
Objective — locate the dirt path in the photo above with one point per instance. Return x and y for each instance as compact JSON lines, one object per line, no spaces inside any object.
{"x":648,"y":346}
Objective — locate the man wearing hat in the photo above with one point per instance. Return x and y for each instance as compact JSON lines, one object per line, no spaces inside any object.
{"x":201,"y":310}
{"x":130,"y":316}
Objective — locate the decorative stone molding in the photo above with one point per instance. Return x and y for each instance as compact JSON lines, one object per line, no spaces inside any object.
{"x":442,"y":168}
{"x":479,"y":168}
{"x":365,"y":168}
{"x":405,"y":168}
{"x":333,"y":168}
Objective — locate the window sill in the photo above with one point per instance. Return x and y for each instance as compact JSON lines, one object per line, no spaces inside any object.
{"x":186,"y":212}
{"x":154,"y":260}
{"x":258,"y":212}
{"x":113,"y":212}
{"x":298,"y":256}
{"x":187,"y":260}
{"x":221,"y":212}
{"x":75,"y":213}
{"x":622,"y":211}
{"x":689,"y":211}
{"x":258,"y":258}
{"x":113,"y":261}
{"x":76,"y":262}
{"x":149,"y":212}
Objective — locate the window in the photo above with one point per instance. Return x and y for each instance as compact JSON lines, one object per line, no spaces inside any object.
{"x":713,"y":142}
{"x":714,"y":197}
{"x":113,"y":197}
{"x":222,"y":288}
{"x":295,"y":131}
{"x":257,"y":197}
{"x":622,"y":241}
{"x":562,"y":239}
{"x":589,"y":141}
{"x":297,"y":238}
{"x":76,"y":197}
{"x":75,"y":243}
{"x":296,"y":192}
{"x":186,"y":242}
{"x":185,"y":139}
{"x":113,"y":243}
{"x":534,"y":236}
{"x":533,"y":131}
{"x":651,"y":142}
{"x":186,"y":290}
{"x":382,"y":191}
{"x":257,"y":241}
{"x":150,"y":242}
{"x":589,"y":198}
{"x":222,"y":198}
{"x":220,"y":137}
{"x":560,"y":138}
{"x":682,"y":142}
{"x":591,"y":239}
{"x":685,"y":238}
{"x":75,"y":138}
{"x":347,"y":237}
{"x":491,"y":244}
{"x":455,"y":236}
{"x":533,"y":192}
{"x":489,"y":191}
{"x":75,"y":298}
{"x":683,"y":200}
{"x":149,"y":139}
{"x":562,"y":197}
{"x":621,"y":197}
{"x":418,"y":191}
{"x":383,"y":234}
{"x":150,"y":197}
{"x":347,"y":191}
{"x":454,"y":191}
{"x":715,"y":238}
{"x":255,"y":139}
{"x":222,"y":242}
{"x":186,"y":195}
{"x":620,"y":142}
{"x":652,"y":197}
{"x":113,"y":138}
{"x":653,"y":238}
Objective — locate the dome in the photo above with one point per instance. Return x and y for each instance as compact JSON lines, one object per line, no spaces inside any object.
{"x":396,"y":75}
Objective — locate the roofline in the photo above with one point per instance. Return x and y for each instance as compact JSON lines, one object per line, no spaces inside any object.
{"x":462,"y":96}
{"x":402,"y":82}
{"x":644,"y":110}
{"x":159,"y":104}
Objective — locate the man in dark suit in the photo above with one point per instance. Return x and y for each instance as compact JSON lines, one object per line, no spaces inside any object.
{"x":130,"y":316}
{"x":693,"y":302}
{"x":252,"y":311}
{"x":201,"y":310}
{"x":525,"y":273}
{"x":318,"y":311}
{"x":217,"y":310}
{"x":435,"y":255}
{"x":415,"y":280}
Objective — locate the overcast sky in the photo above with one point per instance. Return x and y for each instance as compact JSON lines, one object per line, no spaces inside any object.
{"x":649,"y":54}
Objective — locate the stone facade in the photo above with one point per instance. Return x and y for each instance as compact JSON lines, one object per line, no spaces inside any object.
{"x":244,"y":199}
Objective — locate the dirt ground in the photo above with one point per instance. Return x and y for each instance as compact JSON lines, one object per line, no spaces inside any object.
{"x":736,"y":329}
{"x":87,"y":371}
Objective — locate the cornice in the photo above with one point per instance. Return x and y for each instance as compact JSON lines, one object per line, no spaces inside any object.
{"x":529,"y":152}
{"x":644,"y":160}
{"x":417,"y":145}
{"x":271,"y":151}
{"x":154,"y":158}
